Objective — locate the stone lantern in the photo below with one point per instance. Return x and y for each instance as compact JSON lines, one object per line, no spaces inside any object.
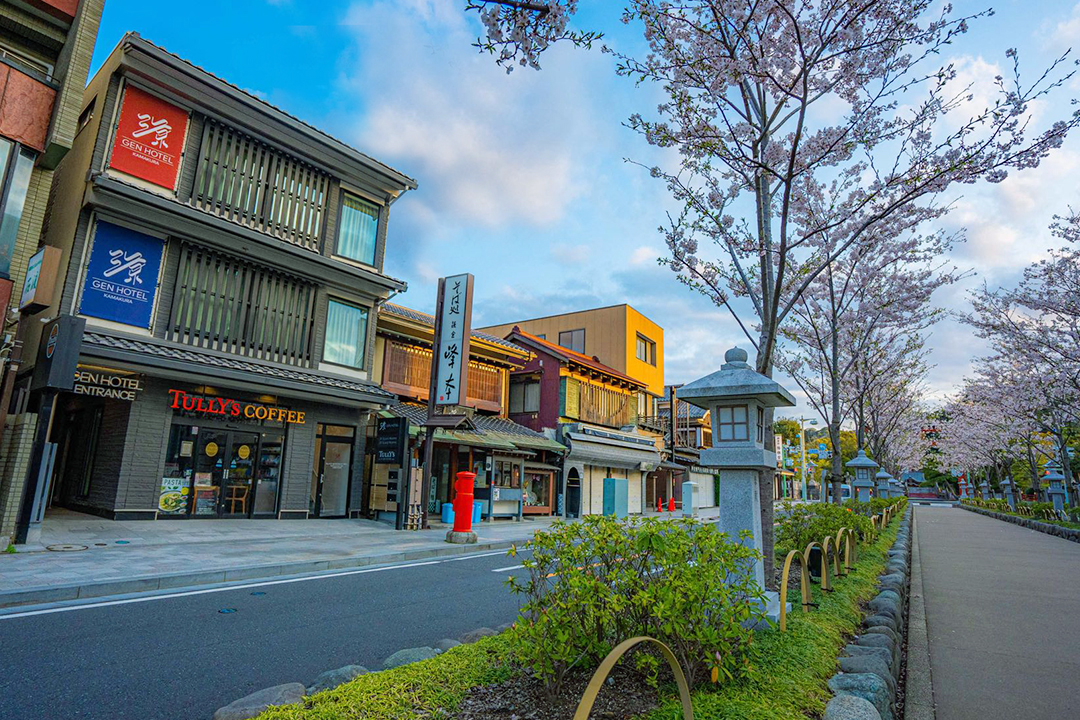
{"x":1009,"y":493}
{"x":864,"y":468}
{"x":1057,"y":491}
{"x":884,"y":484}
{"x":984,"y":490}
{"x":895,"y":488}
{"x":737,"y":398}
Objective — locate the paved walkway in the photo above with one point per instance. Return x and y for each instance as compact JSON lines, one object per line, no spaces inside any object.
{"x":120,"y":557}
{"x":1003,"y":617}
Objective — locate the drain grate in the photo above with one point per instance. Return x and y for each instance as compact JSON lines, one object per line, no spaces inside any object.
{"x":65,"y":548}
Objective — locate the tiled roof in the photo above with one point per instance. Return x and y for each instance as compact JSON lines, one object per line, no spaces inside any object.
{"x":211,"y":361}
{"x":429,"y":320}
{"x":491,"y":431}
{"x":135,"y":36}
{"x":685,"y":410}
{"x":573,"y":356}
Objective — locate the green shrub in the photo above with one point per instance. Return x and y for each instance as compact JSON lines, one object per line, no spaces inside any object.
{"x":595,"y":583}
{"x":800,"y":525}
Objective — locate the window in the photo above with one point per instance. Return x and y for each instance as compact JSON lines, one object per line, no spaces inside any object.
{"x":16,"y":165}
{"x":731,"y":423}
{"x":525,"y":397}
{"x":542,"y":336}
{"x":346,"y":334}
{"x":359,"y":226}
{"x":573,"y":340}
{"x":86,"y":115}
{"x":646,"y":350}
{"x":761,"y":425}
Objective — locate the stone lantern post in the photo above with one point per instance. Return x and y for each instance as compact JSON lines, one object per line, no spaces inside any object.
{"x":1009,"y":493}
{"x":884,"y":484}
{"x":1057,"y":491}
{"x":864,"y":468}
{"x":984,"y":490}
{"x":737,"y":398}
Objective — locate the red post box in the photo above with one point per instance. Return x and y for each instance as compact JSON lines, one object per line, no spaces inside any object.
{"x":463,"y":501}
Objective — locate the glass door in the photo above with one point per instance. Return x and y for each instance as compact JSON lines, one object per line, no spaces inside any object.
{"x":268,"y":475}
{"x":332,"y":471}
{"x":238,"y":475}
{"x":210,"y":466}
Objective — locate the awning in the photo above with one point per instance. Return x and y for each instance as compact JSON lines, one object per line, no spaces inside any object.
{"x":492,"y":433}
{"x":539,"y":466}
{"x":611,"y":452}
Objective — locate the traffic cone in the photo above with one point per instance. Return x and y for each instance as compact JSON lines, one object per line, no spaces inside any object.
{"x":659,"y":504}
{"x":671,"y":504}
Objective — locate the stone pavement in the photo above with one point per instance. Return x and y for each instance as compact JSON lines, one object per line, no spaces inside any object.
{"x":110,"y":557}
{"x":1003,"y":617}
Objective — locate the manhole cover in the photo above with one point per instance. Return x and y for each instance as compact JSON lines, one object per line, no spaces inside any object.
{"x":65,"y":548}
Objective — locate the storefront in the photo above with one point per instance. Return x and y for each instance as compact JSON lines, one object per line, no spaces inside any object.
{"x":599,"y":453}
{"x":135,"y":445}
{"x":514,"y":465}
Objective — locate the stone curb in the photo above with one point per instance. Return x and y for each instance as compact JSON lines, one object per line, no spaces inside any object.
{"x":873,"y":658}
{"x":179,"y":581}
{"x":1029,"y":523}
{"x":919,"y":688}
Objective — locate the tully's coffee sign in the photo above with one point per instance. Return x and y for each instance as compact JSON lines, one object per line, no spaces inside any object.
{"x":390,"y":439}
{"x":103,"y":384}
{"x":228,"y":408}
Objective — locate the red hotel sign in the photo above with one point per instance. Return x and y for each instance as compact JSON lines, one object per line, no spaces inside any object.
{"x":227,"y":407}
{"x":149,"y":138}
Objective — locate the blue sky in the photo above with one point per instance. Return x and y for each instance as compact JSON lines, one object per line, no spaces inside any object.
{"x":523,"y":179}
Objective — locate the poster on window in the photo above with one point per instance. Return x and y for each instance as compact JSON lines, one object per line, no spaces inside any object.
{"x":149,"y":138}
{"x":122,"y":276}
{"x":174,"y":496}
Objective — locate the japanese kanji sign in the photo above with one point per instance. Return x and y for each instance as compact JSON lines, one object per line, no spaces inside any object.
{"x":452,"y":348}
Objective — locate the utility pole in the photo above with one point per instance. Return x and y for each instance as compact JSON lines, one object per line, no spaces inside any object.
{"x":802,"y":465}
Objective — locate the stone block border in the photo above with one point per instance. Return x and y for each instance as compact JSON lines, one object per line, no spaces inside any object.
{"x":1029,"y":523}
{"x":865,"y":688}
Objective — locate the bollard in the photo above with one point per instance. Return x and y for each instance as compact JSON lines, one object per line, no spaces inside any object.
{"x":462,"y":534}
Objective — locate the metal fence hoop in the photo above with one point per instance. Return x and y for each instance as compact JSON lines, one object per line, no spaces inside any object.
{"x":597,"y":682}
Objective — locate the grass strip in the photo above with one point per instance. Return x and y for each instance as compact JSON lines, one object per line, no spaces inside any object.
{"x":786,"y":680}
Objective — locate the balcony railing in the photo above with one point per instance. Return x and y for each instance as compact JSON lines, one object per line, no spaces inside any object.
{"x":407,"y":371}
{"x":245,"y":181}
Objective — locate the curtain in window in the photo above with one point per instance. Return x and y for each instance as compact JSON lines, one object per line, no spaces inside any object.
{"x":359,"y":224}
{"x":346,"y":334}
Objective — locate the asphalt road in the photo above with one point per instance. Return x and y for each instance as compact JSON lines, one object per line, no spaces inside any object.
{"x":1002,"y":616}
{"x":181,"y":658}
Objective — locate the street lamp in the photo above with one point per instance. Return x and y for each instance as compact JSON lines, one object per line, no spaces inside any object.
{"x":802,"y":444}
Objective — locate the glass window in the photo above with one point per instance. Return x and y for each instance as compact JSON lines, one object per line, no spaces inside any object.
{"x":359,"y":227}
{"x":731,"y":423}
{"x":646,"y":350}
{"x":525,"y":397}
{"x":537,"y":489}
{"x":14,"y":199}
{"x":346,"y":334}
{"x":761,"y":425}
{"x":573,"y":340}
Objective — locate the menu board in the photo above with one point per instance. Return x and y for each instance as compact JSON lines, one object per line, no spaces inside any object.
{"x":173,"y":499}
{"x":205,"y":500}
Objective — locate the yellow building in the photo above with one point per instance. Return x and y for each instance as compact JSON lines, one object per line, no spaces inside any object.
{"x":618,"y":336}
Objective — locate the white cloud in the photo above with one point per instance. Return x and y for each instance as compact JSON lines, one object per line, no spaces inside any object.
{"x":485,"y":147}
{"x":570,"y":254}
{"x":644,"y":255}
{"x":1066,"y":32}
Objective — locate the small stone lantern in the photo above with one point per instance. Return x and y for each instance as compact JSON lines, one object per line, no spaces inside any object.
{"x":895,"y":488}
{"x":1057,"y":491}
{"x":737,"y":397}
{"x":1008,"y":492}
{"x":864,"y":468}
{"x":984,"y":490}
{"x":884,"y":487}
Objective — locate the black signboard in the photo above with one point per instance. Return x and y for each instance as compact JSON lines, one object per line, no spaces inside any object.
{"x":390,"y":439}
{"x":58,"y":353}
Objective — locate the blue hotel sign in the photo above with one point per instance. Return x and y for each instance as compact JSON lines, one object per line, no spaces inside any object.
{"x":121,"y":278}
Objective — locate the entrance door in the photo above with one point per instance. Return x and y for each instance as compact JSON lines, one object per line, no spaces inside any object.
{"x":238,"y":477}
{"x":224,"y":473}
{"x":332,"y":472}
{"x":573,"y":494}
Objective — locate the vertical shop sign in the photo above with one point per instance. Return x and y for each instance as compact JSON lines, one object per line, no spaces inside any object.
{"x":122,"y":276}
{"x":149,"y":138}
{"x":452,"y":349}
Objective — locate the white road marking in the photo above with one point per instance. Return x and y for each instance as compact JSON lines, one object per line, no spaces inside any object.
{"x":477,"y":555}
{"x":207,"y":591}
{"x":506,"y":569}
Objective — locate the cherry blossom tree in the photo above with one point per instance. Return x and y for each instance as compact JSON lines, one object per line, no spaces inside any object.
{"x":865,"y":313}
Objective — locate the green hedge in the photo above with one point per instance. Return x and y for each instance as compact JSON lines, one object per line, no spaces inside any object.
{"x":786,"y":680}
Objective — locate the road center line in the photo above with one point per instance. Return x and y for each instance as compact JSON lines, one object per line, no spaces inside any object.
{"x":506,"y":569}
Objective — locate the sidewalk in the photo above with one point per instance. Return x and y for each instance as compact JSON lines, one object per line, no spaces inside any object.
{"x":1001,"y":613}
{"x":94,"y":557}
